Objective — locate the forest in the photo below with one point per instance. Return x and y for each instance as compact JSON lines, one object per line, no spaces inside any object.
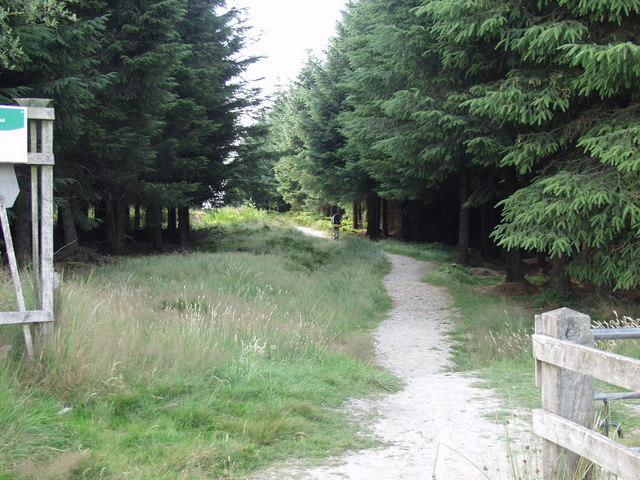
{"x":148,"y":97}
{"x":508,"y":129}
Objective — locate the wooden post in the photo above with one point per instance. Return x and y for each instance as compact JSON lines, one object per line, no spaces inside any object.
{"x":564,"y":393}
{"x":35,"y":234}
{"x":35,"y":214}
{"x":40,"y":156}
{"x":46,"y":258}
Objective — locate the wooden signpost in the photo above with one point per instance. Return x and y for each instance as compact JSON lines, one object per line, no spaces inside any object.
{"x":26,"y":137}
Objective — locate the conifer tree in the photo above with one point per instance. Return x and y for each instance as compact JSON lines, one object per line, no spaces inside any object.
{"x":16,"y":18}
{"x":405,"y":123}
{"x":287,"y":143}
{"x":202,"y":125}
{"x":532,"y":102}
{"x":251,"y":173}
{"x":370,"y":31}
{"x":569,"y":102}
{"x":465,"y":35}
{"x":168,"y":120}
{"x":54,"y":58}
{"x":142,"y":48}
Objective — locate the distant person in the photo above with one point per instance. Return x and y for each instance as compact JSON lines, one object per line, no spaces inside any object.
{"x":336,"y":223}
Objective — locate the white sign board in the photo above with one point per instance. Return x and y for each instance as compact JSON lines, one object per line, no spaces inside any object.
{"x":13,"y":134}
{"x":8,"y":185}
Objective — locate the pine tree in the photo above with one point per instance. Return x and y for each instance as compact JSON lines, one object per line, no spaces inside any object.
{"x":287,"y":144}
{"x":55,"y":60}
{"x":251,"y":173}
{"x":570,"y":105}
{"x":202,"y":125}
{"x":17,"y":18}
{"x":141,"y":48}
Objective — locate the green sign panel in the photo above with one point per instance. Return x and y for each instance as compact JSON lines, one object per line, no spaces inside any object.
{"x":13,"y":134}
{"x":12,"y":118}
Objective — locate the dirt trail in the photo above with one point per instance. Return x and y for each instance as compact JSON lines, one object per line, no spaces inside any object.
{"x":439,"y":425}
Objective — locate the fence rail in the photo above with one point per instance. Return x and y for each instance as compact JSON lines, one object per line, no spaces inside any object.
{"x":615,"y":333}
{"x":566,"y":364}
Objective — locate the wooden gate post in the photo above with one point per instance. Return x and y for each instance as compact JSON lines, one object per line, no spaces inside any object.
{"x":564,"y":393}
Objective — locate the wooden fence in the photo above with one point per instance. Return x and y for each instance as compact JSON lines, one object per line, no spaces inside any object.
{"x":566,"y":364}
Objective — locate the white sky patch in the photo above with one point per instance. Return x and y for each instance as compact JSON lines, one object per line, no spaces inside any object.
{"x":287,"y":30}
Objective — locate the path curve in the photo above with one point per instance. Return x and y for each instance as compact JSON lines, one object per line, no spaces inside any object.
{"x":439,"y":425}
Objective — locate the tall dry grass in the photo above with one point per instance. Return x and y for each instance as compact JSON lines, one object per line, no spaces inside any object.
{"x":175,"y":315}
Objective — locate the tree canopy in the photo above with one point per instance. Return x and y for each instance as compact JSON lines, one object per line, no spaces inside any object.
{"x":523,"y":115}
{"x":491,"y":125}
{"x":148,"y":97}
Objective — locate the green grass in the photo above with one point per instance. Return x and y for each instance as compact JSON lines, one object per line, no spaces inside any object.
{"x":430,"y":252}
{"x":203,"y":365}
{"x":220,"y":362}
{"x":24,"y":411}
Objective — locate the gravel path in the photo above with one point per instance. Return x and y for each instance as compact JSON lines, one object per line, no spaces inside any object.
{"x":439,"y":425}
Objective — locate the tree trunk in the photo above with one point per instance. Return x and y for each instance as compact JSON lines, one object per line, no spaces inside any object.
{"x":116,"y":225}
{"x":560,"y":281}
{"x":172,"y":227}
{"x":101,"y":214}
{"x":154,"y":227}
{"x":69,"y":232}
{"x":355,"y":217}
{"x":405,"y":221}
{"x":385,"y":217}
{"x":137,"y":219}
{"x":515,"y":273}
{"x":126,"y":220}
{"x":488,"y":249}
{"x":373,"y":216}
{"x":82,"y":217}
{"x":463,"y":222}
{"x":183,"y":225}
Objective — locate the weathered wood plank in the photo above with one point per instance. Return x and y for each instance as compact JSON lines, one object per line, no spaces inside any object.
{"x":35,"y":235}
{"x":29,"y":316}
{"x":33,"y":135}
{"x":34,"y":102}
{"x":39,"y":158}
{"x":46,"y":241}
{"x":597,"y":448}
{"x":15,"y":277}
{"x":606,"y":366}
{"x":39,"y":113}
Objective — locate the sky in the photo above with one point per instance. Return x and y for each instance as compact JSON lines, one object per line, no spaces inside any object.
{"x":287,"y":29}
